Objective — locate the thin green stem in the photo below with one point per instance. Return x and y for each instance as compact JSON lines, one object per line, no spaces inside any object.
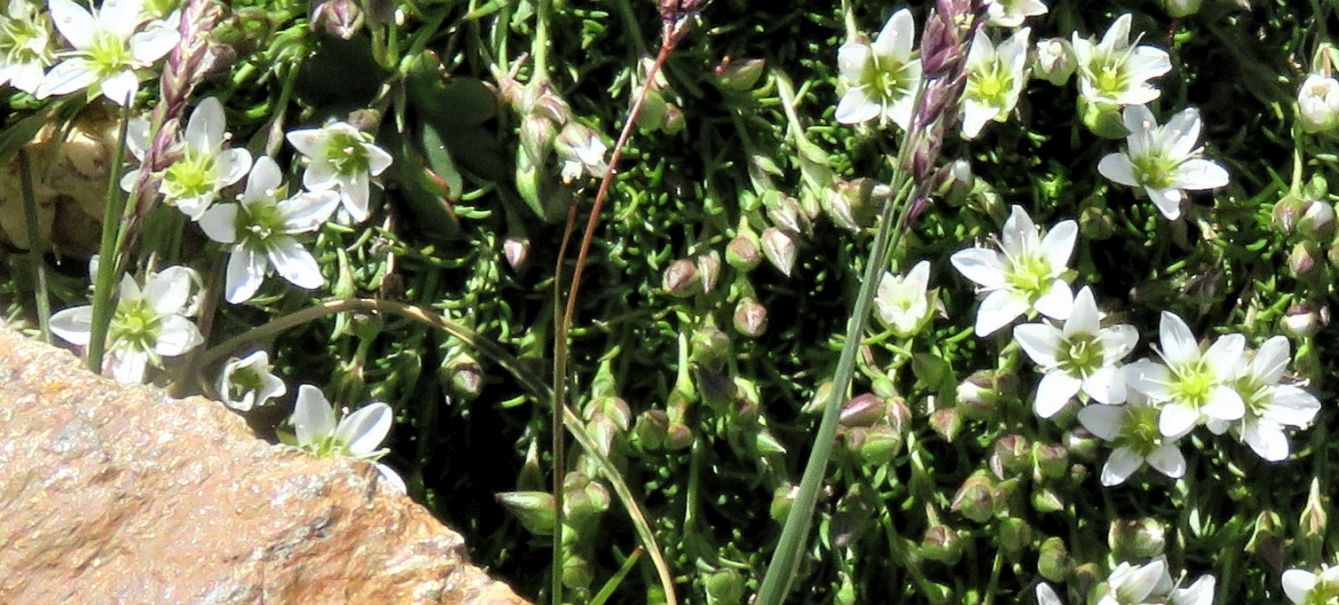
{"x":36,"y":247}
{"x":113,"y":230}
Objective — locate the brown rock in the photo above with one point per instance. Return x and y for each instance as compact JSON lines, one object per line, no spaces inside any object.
{"x":112,"y":494}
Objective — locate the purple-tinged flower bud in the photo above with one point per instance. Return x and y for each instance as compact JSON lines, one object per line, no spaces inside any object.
{"x":681,"y":279}
{"x":1137,"y":538}
{"x":782,"y":499}
{"x":708,"y":270}
{"x":750,"y":318}
{"x":947,"y":423}
{"x":535,"y":510}
{"x":1303,"y":320}
{"x":943,"y":544}
{"x":1015,"y":537}
{"x":780,"y":249}
{"x":1302,"y":259}
{"x":1051,"y":460}
{"x":537,"y":135}
{"x":977,"y":395}
{"x":1314,"y":518}
{"x":583,"y":496}
{"x":465,"y":376}
{"x":652,"y":429}
{"x":975,"y":499}
{"x":679,"y":436}
{"x":612,"y":407}
{"x":863,"y":410}
{"x":881,"y":445}
{"x":1317,"y":222}
{"x":516,"y":248}
{"x":1011,"y":456}
{"x":339,"y":18}
{"x":1045,"y":500}
{"x":743,"y":252}
{"x":739,"y":76}
{"x":1081,"y":444}
{"x":1287,"y":212}
{"x":1053,"y":562}
{"x":710,"y":347}
{"x":785,"y":212}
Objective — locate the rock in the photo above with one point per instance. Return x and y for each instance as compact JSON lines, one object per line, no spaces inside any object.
{"x":122,"y":494}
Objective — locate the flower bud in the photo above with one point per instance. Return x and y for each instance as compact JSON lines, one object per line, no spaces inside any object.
{"x":708,"y":270}
{"x":535,"y":510}
{"x":339,"y":18}
{"x":1051,"y":460}
{"x":724,"y":587}
{"x":465,"y":376}
{"x":1015,"y":537}
{"x":768,"y":444}
{"x":784,"y":211}
{"x":1097,"y":222}
{"x":1081,"y":444}
{"x":943,"y":544}
{"x":679,"y":436}
{"x":681,"y":279}
{"x":975,"y":500}
{"x":881,"y":445}
{"x":516,"y":248}
{"x":1137,"y":538}
{"x":782,"y":499}
{"x":780,"y":248}
{"x":743,"y":253}
{"x":1085,"y":577}
{"x":1301,"y":321}
{"x":1053,"y":562}
{"x":584,"y":497}
{"x":1054,"y":60}
{"x":537,"y":134}
{"x":1318,"y":103}
{"x":1046,"y":500}
{"x":611,"y":407}
{"x":1010,"y":456}
{"x":946,"y":423}
{"x":739,"y":76}
{"x":977,"y":395}
{"x":1181,"y":8}
{"x":750,"y":317}
{"x":674,"y":119}
{"x":1314,"y":518}
{"x":1302,"y":259}
{"x":710,"y":348}
{"x":851,"y":204}
{"x":863,"y":410}
{"x":577,"y":573}
{"x":1103,"y":119}
{"x":1287,"y":212}
{"x":1317,"y":222}
{"x":652,"y":429}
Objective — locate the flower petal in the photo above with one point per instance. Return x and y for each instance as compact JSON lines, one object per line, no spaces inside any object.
{"x":985,"y":267}
{"x":74,"y":22}
{"x":295,"y":264}
{"x":153,"y":44}
{"x":852,"y":58}
{"x":363,"y":430}
{"x":1122,"y":463}
{"x":219,"y":222}
{"x":895,"y":39}
{"x":310,"y":142}
{"x":1177,"y":419}
{"x":1084,"y":319}
{"x":1118,"y":168}
{"x":176,"y":336}
{"x":1178,"y":343}
{"x":70,"y":75}
{"x":1297,"y":584}
{"x":1058,"y":245}
{"x":232,"y":165}
{"x":856,"y":107}
{"x":121,"y":88}
{"x":1224,"y":357}
{"x":308,"y":210}
{"x":1271,"y":360}
{"x":1106,"y":385}
{"x":1167,"y":200}
{"x":265,"y":178}
{"x":1267,"y":439}
{"x":205,"y":130}
{"x":1169,"y":461}
{"x":170,"y":289}
{"x":998,"y":309}
{"x":1182,"y":132}
{"x":1054,"y":391}
{"x":1057,"y":302}
{"x":313,"y":417}
{"x":126,"y":367}
{"x":1198,"y":174}
{"x":1041,"y":342}
{"x":1117,"y":342}
{"x":73,"y":325}
{"x":1288,"y":405}
{"x":246,"y":272}
{"x":393,"y":481}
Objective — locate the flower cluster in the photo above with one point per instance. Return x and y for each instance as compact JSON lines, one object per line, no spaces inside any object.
{"x":1147,"y":584}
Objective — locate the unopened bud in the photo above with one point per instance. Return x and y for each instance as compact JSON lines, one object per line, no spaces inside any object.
{"x":577,"y":573}
{"x":1051,"y":460}
{"x":1103,"y":119}
{"x":583,"y":496}
{"x":750,"y":318}
{"x":863,"y":410}
{"x":768,"y":444}
{"x":1054,"y":61}
{"x":1053,"y":562}
{"x":881,"y":445}
{"x":1318,"y":103}
{"x":1081,"y":444}
{"x":852,"y":205}
{"x":1302,"y":259}
{"x":724,"y":587}
{"x":535,"y":510}
{"x":1011,"y":456}
{"x":743,"y":252}
{"x":975,"y":500}
{"x":537,"y":134}
{"x":612,"y":407}
{"x":780,"y":248}
{"x":1046,"y":500}
{"x":1015,"y":537}
{"x":466,"y":377}
{"x":782,"y":499}
{"x":339,"y":18}
{"x":943,"y":544}
{"x":1287,"y":212}
{"x":977,"y":395}
{"x":681,"y":278}
{"x":947,"y":423}
{"x":785,"y":212}
{"x":516,"y":248}
{"x":1314,"y":517}
{"x":654,"y":109}
{"x":652,"y":429}
{"x":1097,"y":222}
{"x":679,"y":436}
{"x":1181,"y":8}
{"x":1137,"y":538}
{"x":1317,"y":222}
{"x":710,"y":347}
{"x":708,"y":270}
{"x":739,"y":76}
{"x":1301,"y":321}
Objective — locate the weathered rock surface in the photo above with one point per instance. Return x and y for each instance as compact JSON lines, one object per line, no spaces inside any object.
{"x":123,"y":495}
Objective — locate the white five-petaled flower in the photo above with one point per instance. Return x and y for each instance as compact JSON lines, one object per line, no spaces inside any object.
{"x":581,"y":151}
{"x":261,"y":229}
{"x":25,"y":46}
{"x":902,"y":302}
{"x":1309,"y":588}
{"x":1318,"y":103}
{"x":1026,"y":275}
{"x":148,"y":324}
{"x":1133,"y":429}
{"x":995,"y":79}
{"x":344,"y":158}
{"x":1081,"y":357}
{"x":1270,"y":406}
{"x":202,"y":168}
{"x":248,"y":382}
{"x":1114,"y":73}
{"x":1134,"y":585}
{"x":1011,"y":13}
{"x":1163,"y":161}
{"x":1193,"y":386}
{"x":882,"y":76}
{"x":109,"y":47}
{"x":356,"y":435}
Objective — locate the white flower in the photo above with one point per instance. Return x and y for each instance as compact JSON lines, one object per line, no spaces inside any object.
{"x":342,"y":157}
{"x":356,"y":435}
{"x":1080,"y":358}
{"x":1026,"y":276}
{"x":581,"y":151}
{"x":203,"y":168}
{"x":902,"y":303}
{"x":1054,"y":60}
{"x":147,"y":324}
{"x":1114,"y":73}
{"x":25,"y":46}
{"x":108,"y":49}
{"x":1011,"y":13}
{"x":1270,"y":406}
{"x":883,"y":77}
{"x":1318,"y":103}
{"x":1194,"y":386}
{"x":1163,"y":160}
{"x":248,"y":382}
{"x":1130,"y":585}
{"x":261,"y":228}
{"x":1046,"y":595}
{"x":1133,"y":429}
{"x":995,"y":79}
{"x":1199,"y":593}
{"x":1306,"y":588}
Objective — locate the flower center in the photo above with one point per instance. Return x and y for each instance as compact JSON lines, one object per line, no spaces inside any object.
{"x":990,"y":85}
{"x":888,"y":80}
{"x":243,"y":381}
{"x":109,"y":54}
{"x":258,"y":223}
{"x":1192,"y":383}
{"x":1153,"y":169}
{"x":23,"y":41}
{"x":1081,"y":356}
{"x":1029,"y":274}
{"x":135,"y":323}
{"x":346,"y":154}
{"x":1140,"y":432}
{"x":1256,"y":395}
{"x":191,"y":176}
{"x":1110,"y":79}
{"x":1323,"y":593}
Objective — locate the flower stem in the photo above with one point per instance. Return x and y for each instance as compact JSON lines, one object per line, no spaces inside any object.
{"x":36,"y":247}
{"x":113,"y":230}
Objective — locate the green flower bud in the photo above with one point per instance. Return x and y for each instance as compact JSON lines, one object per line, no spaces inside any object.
{"x":535,"y":510}
{"x":768,"y":444}
{"x":679,"y":436}
{"x":780,"y":248}
{"x":946,"y":423}
{"x":465,"y":376}
{"x":1317,"y":222}
{"x":674,"y":119}
{"x":943,"y":544}
{"x":654,"y":112}
{"x":614,"y":408}
{"x":1053,"y":60}
{"x":739,"y":76}
{"x":975,"y":500}
{"x":1053,"y":562}
{"x":710,"y":348}
{"x":1314,"y":518}
{"x":1097,"y":223}
{"x":1082,"y":445}
{"x":584,"y":497}
{"x":1302,"y":320}
{"x":743,"y":252}
{"x":1102,"y":119}
{"x":577,"y":573}
{"x":681,"y":279}
{"x":1181,"y":8}
{"x":1011,"y":456}
{"x":708,"y":270}
{"x":750,"y":317}
{"x":652,"y":429}
{"x":1265,"y":533}
{"x":1045,"y":500}
{"x":864,"y":410}
{"x":977,"y":396}
{"x":1085,"y":577}
{"x":1051,"y":460}
{"x":782,"y":499}
{"x":1287,"y":213}
{"x":881,"y":445}
{"x":1015,"y":537}
{"x":1137,"y":538}
{"x":724,"y":587}
{"x":819,"y":401}
{"x":537,"y":134}
{"x":1302,"y":259}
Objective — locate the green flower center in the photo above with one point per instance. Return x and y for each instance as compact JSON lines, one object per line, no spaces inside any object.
{"x":1153,"y":169}
{"x":109,"y":54}
{"x":1255,"y":394}
{"x":1029,"y":274}
{"x":193,"y":175}
{"x":1081,"y":355}
{"x":23,"y":41}
{"x":243,"y":381}
{"x":1323,"y":594}
{"x":1192,"y":383}
{"x":258,"y":223}
{"x":990,"y":85}
{"x":346,"y":153}
{"x":1110,"y":78}
{"x":1140,"y":429}
{"x":136,"y":324}
{"x":887,"y":80}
